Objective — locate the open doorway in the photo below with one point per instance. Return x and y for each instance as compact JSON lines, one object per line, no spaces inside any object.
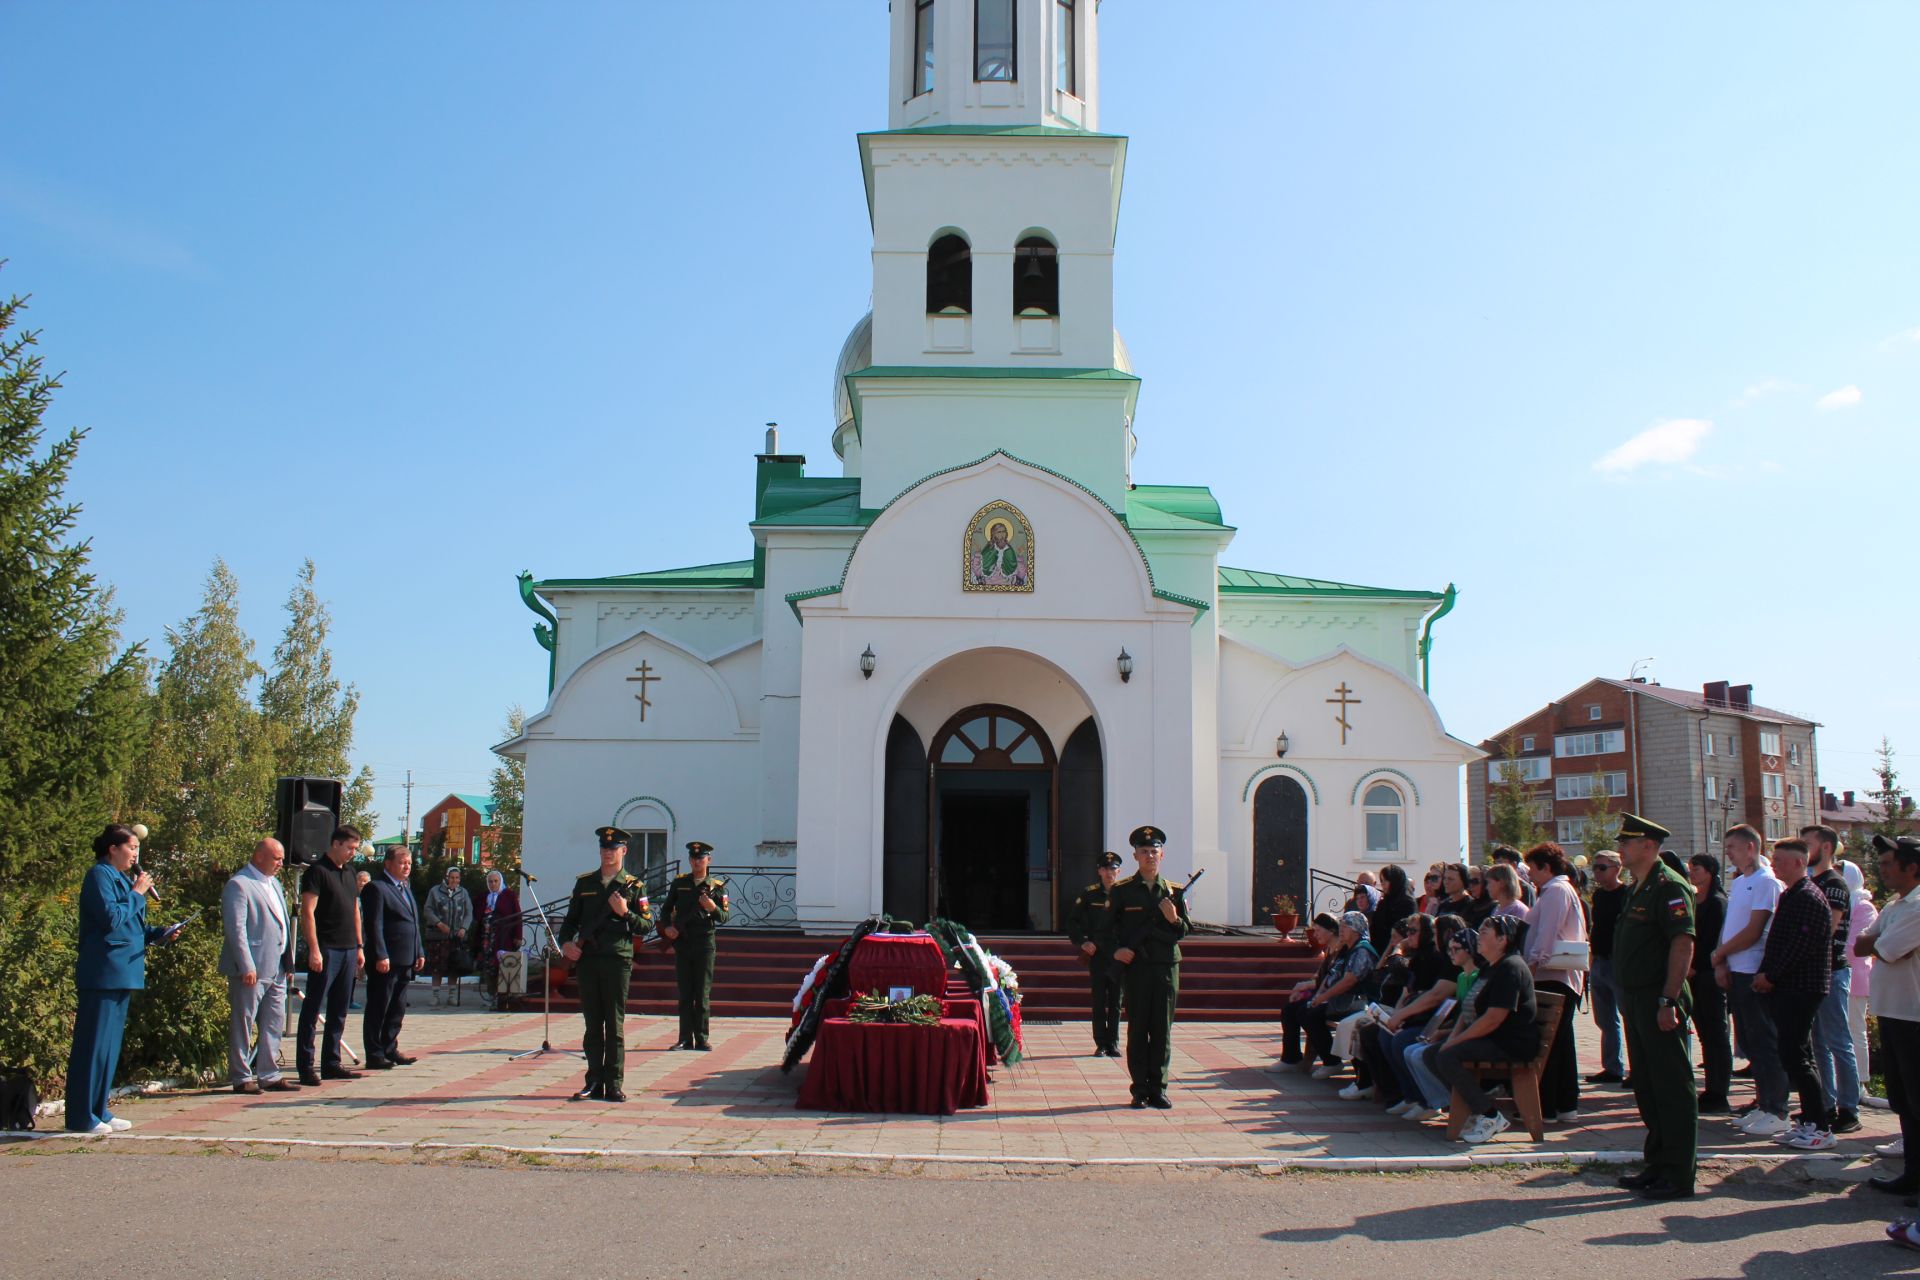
{"x":984,"y":838}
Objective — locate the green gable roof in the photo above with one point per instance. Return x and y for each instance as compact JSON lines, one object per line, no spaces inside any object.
{"x":727,"y":575}
{"x":483,"y":805}
{"x":1173,"y":506}
{"x":1254,"y":582}
{"x":813,"y":500}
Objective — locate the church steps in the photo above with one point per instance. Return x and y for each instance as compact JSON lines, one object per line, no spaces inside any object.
{"x":756,"y":974}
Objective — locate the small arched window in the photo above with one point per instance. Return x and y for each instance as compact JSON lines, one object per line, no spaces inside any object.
{"x":1036,"y":278}
{"x":950,"y":277}
{"x":1384,"y":809}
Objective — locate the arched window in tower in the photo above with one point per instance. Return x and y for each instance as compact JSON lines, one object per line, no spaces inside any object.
{"x":920,"y":74}
{"x":950,"y":276}
{"x":995,"y":49}
{"x":1036,"y":277}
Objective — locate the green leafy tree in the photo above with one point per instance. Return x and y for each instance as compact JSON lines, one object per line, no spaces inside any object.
{"x":1598,"y":824}
{"x":71,"y":713}
{"x":509,"y":787}
{"x":308,"y":711}
{"x":1510,"y":802}
{"x":204,"y":787}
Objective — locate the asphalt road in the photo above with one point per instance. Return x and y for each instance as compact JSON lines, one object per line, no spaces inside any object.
{"x":97,"y":1212}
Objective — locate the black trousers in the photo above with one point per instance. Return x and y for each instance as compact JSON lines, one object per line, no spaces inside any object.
{"x":1318,"y":1022}
{"x":386,"y":1008}
{"x":1899,"y":1063}
{"x":1106,"y":999}
{"x":1292,"y":1027}
{"x":1716,"y":1040}
{"x":1560,"y":1080}
{"x":1793,"y":1014}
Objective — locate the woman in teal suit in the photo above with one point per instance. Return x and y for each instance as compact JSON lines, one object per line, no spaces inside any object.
{"x":114,"y":935}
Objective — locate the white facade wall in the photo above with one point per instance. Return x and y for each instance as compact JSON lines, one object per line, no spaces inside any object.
{"x":958,"y":99}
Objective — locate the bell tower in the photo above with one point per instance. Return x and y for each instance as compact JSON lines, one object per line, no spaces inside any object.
{"x":995,"y":63}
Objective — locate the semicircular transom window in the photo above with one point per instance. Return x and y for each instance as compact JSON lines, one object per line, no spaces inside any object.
{"x":995,"y":738}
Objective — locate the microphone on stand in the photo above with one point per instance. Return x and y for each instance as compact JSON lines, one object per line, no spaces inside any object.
{"x":139,"y":830}
{"x":528,"y":875}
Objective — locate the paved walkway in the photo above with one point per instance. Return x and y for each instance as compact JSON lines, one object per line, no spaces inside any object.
{"x":1060,"y":1106}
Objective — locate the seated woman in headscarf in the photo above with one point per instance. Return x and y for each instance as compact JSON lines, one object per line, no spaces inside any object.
{"x":1348,"y":987}
{"x":1505,"y":1026}
{"x":1322,"y":933}
{"x":1426,"y":1095}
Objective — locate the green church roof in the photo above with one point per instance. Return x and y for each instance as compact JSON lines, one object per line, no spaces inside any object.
{"x":1254,"y":582}
{"x":1173,"y":506}
{"x":812,"y":500}
{"x":729,"y":574}
{"x":483,"y":805}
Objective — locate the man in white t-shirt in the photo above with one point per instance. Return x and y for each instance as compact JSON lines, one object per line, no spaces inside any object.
{"x":1743,"y":939}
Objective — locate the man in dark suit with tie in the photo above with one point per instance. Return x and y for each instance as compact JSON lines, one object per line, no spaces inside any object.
{"x":390,"y":922}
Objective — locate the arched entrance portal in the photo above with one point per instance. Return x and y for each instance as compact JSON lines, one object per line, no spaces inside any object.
{"x":1279,"y":844}
{"x":994,"y":799}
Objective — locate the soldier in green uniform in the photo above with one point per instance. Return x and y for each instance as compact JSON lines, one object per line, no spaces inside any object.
{"x":1090,"y":928}
{"x":1652,"y":955}
{"x":1149,"y":918}
{"x":608,"y":907}
{"x":696,"y":905}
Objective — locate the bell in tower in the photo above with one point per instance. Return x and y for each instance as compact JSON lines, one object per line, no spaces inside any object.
{"x":989,"y":64}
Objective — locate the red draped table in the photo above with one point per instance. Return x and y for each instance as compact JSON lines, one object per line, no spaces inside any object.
{"x":884,"y":961}
{"x":930,"y":1070}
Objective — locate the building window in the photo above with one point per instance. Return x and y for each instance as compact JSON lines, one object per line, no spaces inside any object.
{"x":994,"y":47}
{"x":1793,"y":753}
{"x":1067,"y":66}
{"x":1733,"y":789}
{"x":1606,"y":742}
{"x":1582,"y":786}
{"x":1036,"y":278}
{"x":1773,"y":786}
{"x":1713,"y":830}
{"x":1568,"y":831}
{"x":1793,"y":794}
{"x":1706,"y":741}
{"x":950,"y":276}
{"x":1383,"y":812}
{"x":1593,"y":711}
{"x":646,"y":854}
{"x":1732,"y":745}
{"x":921,"y":77}
{"x":1542,"y":809}
{"x":1776,"y":828}
{"x":1769,"y":742}
{"x":1526,"y":768}
{"x":1713,"y":787}
{"x":1526,"y":743}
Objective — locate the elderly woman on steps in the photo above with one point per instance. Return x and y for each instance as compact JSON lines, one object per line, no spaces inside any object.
{"x":448,"y":915}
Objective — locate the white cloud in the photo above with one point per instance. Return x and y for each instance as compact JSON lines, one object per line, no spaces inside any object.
{"x":1905,"y":338}
{"x":1666,"y":443}
{"x":1763,"y":388}
{"x":1845,"y":398}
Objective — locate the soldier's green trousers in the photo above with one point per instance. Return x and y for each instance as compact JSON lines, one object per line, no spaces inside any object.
{"x":1152,"y":992}
{"x":693,"y":971}
{"x":1106,"y":998}
{"x":1661,"y":1064}
{"x":603,"y":982}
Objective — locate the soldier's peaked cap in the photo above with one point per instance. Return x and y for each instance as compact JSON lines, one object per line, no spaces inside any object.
{"x":1635,"y":827}
{"x":1107,"y":859}
{"x":1147,"y":838}
{"x":610,"y":837}
{"x":699,"y":849}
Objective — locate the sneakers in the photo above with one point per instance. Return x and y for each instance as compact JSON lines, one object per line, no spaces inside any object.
{"x":1898,"y":1147}
{"x":1484,"y":1128}
{"x":1352,"y":1093}
{"x":1419,"y":1114}
{"x":436,"y":997}
{"x":1606,"y":1077}
{"x":1845,"y":1121}
{"x":1401,"y":1108}
{"x":1812,"y":1139}
{"x":99,"y":1129}
{"x":1763,"y":1124}
{"x":1325,"y":1071}
{"x":116,"y":1125}
{"x":1793,"y":1132}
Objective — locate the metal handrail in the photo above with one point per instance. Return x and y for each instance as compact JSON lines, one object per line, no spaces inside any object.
{"x":1327,"y":892}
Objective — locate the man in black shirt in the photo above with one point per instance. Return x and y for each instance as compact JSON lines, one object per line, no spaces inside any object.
{"x":1832,"y":1037}
{"x":1609,"y":893}
{"x":330,"y":939}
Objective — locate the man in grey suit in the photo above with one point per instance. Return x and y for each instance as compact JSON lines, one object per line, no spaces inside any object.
{"x":256,"y":954}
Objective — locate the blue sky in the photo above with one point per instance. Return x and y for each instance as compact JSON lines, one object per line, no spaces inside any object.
{"x":1611,"y":315}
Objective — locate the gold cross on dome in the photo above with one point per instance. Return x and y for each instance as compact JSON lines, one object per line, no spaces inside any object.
{"x":645,"y":678}
{"x":1345,"y":700}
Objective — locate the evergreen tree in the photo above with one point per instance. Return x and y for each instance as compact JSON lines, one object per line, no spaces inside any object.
{"x":1598,"y":824}
{"x":205,"y":788}
{"x":308,"y":711}
{"x":509,"y":786}
{"x":1894,"y":820}
{"x":1510,"y":802}
{"x":71,"y":713}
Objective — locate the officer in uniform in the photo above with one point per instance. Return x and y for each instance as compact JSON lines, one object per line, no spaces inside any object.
{"x":1149,"y":919}
{"x":608,"y":907}
{"x":1652,"y":955}
{"x":696,"y":905}
{"x":1090,"y":928}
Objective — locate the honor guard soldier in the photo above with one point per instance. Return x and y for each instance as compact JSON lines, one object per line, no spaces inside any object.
{"x":608,"y":907}
{"x":1090,"y":928}
{"x":1149,"y":919}
{"x":696,"y":905}
{"x":1652,"y":956}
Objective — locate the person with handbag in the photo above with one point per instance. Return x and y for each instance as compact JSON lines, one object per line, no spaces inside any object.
{"x":1557,"y":956}
{"x":448,"y":916}
{"x":500,"y":936}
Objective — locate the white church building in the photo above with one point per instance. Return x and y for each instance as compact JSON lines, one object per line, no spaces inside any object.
{"x":950,"y":675}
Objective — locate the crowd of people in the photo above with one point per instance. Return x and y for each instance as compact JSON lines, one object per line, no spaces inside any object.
{"x":1784,"y":953}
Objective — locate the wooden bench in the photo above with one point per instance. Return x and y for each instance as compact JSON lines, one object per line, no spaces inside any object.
{"x":1523,"y":1077}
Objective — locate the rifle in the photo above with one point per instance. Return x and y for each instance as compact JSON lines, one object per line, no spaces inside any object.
{"x":1138,"y":934}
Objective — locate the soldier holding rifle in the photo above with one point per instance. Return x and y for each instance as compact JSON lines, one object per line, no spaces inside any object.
{"x":608,"y":907}
{"x":1150,"y":918}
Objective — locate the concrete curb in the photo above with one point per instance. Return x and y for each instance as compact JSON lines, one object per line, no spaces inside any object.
{"x":1813,"y":1163}
{"x":58,"y":1106}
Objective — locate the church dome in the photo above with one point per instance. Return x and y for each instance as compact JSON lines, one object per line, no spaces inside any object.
{"x":857,"y":353}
